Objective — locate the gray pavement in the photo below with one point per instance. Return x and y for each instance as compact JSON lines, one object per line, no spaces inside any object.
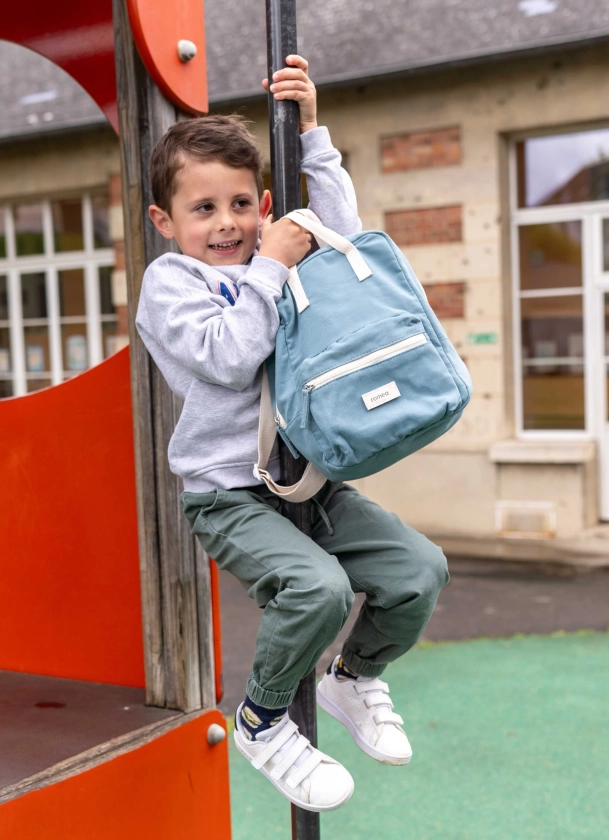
{"x":484,"y":599}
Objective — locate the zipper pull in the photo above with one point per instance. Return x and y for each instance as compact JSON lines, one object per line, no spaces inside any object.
{"x":304,"y":413}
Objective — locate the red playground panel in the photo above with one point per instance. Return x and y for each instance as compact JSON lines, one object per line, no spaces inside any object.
{"x":69,"y":571}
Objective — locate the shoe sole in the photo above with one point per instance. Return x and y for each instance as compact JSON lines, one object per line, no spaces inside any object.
{"x":337,"y":713}
{"x":285,"y":792}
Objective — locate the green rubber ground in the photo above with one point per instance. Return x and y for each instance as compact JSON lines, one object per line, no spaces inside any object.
{"x":510,"y":740}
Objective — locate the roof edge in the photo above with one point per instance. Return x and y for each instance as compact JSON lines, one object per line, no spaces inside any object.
{"x":63,"y":128}
{"x":395,"y":71}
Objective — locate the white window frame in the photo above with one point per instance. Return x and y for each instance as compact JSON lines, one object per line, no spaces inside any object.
{"x":90,"y":260}
{"x":588,"y":214}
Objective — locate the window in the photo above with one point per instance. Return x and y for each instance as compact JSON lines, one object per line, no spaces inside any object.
{"x":56,"y":312}
{"x":551,"y":317}
{"x":561,"y":249}
{"x":563,"y":168}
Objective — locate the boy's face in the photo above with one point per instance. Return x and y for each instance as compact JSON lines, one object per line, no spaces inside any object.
{"x":216,"y":213}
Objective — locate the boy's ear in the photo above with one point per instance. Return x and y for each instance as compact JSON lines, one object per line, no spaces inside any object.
{"x":161,"y":220}
{"x":266,"y":202}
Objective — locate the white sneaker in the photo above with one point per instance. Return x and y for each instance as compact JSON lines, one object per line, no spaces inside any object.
{"x":302,"y":773}
{"x":365,"y":708}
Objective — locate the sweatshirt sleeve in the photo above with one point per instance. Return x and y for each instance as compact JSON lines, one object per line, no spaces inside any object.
{"x":220,"y":344}
{"x":331,"y":192}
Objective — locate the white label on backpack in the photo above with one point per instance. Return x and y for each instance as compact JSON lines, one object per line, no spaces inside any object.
{"x":381,"y":395}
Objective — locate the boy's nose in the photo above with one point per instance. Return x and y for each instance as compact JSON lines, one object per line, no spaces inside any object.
{"x":226,"y":222}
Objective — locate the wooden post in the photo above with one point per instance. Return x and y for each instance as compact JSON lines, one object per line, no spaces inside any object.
{"x":176,"y":603}
{"x":285,"y":177}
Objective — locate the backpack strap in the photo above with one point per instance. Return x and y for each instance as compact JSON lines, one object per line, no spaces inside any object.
{"x":311,"y":481}
{"x":324,"y":236}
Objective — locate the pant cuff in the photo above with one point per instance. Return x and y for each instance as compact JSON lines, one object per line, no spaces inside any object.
{"x":360,"y":666}
{"x":269,"y":699}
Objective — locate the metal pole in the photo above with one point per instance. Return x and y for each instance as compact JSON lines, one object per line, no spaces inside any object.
{"x":285,"y":179}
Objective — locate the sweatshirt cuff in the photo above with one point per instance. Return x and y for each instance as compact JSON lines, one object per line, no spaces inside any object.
{"x":315,"y":142}
{"x":268,"y":273}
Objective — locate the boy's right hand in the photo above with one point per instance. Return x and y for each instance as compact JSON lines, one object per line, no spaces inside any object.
{"x":284,"y":241}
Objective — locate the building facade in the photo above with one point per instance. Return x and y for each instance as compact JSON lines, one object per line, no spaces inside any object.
{"x":494,"y":180}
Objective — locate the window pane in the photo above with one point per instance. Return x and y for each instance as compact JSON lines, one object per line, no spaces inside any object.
{"x":101,"y":223}
{"x":3,"y":299}
{"x":563,"y":168}
{"x":605,"y":244}
{"x":37,"y":384}
{"x":74,"y":347}
{"x":5,"y":351}
{"x":552,"y":362}
{"x":72,"y":292}
{"x":37,"y":358}
{"x":29,"y":238}
{"x":105,"y":290}
{"x":33,"y":295}
{"x":2,"y":235}
{"x":67,"y":225}
{"x":113,"y":341}
{"x":6,"y":388}
{"x":550,"y":255}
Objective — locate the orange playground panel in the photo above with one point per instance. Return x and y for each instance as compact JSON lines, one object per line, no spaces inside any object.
{"x":173,"y":788}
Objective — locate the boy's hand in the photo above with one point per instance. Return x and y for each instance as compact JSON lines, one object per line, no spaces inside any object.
{"x":284,"y":241}
{"x":293,"y":83}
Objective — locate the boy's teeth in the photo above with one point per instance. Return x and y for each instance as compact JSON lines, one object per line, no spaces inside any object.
{"x":226,"y":246}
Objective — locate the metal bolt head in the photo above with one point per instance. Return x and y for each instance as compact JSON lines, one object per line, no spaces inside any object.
{"x":215,"y":734}
{"x":186,"y":50}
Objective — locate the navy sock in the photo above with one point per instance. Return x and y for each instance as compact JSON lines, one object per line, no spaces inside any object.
{"x":256,"y":719}
{"x":340,"y":670}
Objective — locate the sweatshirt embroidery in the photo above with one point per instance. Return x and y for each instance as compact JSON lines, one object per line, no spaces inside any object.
{"x":229,"y":290}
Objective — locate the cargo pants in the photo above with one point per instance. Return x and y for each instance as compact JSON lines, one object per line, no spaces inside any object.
{"x":305,"y":585}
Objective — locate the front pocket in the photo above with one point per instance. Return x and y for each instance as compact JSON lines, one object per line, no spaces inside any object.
{"x":373,"y":388}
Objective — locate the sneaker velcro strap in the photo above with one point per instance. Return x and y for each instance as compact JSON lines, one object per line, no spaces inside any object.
{"x":379,"y":700}
{"x":371,"y":685}
{"x":295,"y":751}
{"x":387,"y":716}
{"x":307,"y":767}
{"x":275,"y":744}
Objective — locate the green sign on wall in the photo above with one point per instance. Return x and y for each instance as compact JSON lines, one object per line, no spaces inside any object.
{"x":482,"y":338}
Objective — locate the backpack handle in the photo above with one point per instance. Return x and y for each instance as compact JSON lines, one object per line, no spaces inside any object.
{"x":324,"y":236}
{"x":311,"y":481}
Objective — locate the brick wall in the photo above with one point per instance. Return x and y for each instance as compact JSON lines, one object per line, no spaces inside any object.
{"x":426,"y":226}
{"x":421,"y":150}
{"x":447,"y":299}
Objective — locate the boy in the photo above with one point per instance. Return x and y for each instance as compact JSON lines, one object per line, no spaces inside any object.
{"x":208,"y":316}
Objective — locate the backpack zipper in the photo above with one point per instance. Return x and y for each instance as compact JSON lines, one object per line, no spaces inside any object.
{"x":357,"y":364}
{"x":279,"y":419}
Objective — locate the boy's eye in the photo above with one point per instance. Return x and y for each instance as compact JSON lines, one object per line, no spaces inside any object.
{"x":242,"y":202}
{"x":206,"y":207}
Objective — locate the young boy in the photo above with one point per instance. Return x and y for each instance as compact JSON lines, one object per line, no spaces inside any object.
{"x":208,"y":316}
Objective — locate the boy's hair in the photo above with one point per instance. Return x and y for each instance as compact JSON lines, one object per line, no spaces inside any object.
{"x":227,"y":139}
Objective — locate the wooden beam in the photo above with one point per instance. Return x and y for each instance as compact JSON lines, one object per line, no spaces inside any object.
{"x":175,"y":600}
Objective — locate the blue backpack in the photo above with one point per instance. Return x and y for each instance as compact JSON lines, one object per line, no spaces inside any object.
{"x":363,"y":373}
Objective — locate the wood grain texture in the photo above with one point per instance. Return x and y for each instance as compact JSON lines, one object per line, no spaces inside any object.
{"x":96,"y":755}
{"x":171,"y":614}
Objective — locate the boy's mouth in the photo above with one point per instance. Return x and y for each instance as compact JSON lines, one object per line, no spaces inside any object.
{"x":226,"y":247}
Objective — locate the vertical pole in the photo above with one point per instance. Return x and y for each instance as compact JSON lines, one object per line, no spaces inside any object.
{"x":285,"y":178}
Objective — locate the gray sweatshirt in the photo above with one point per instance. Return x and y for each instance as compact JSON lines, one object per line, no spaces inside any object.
{"x":211,"y":352}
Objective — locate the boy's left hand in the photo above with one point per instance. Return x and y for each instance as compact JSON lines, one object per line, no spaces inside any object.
{"x":293,"y":83}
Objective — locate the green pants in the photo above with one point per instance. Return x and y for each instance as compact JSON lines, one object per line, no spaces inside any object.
{"x":306,"y":585}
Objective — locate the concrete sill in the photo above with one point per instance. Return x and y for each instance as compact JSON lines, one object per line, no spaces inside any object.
{"x":587,"y":550}
{"x":542,"y":452}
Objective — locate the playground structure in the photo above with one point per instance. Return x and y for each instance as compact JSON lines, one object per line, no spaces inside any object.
{"x":108,"y":732}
